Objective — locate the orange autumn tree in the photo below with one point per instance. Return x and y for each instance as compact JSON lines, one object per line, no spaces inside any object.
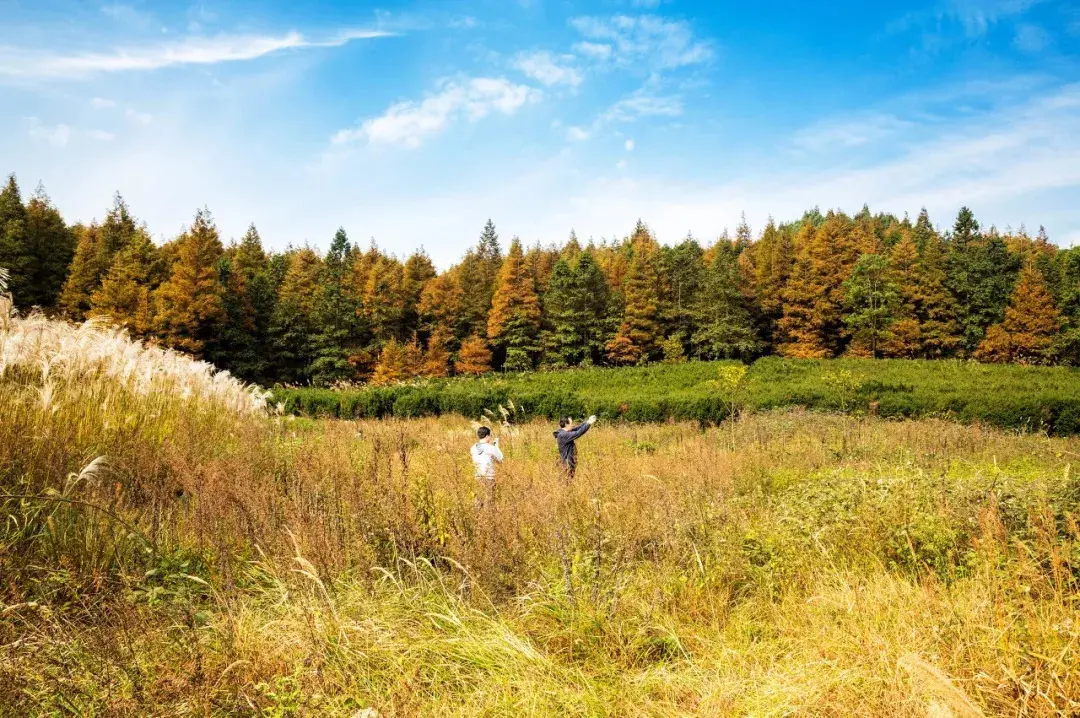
{"x":392,"y":364}
{"x":1031,"y":323}
{"x":514,"y":321}
{"x":639,"y":335}
{"x":437,"y":355}
{"x":189,"y":307}
{"x":474,"y":357}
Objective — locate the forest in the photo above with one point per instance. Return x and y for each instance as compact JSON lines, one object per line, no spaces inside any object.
{"x":825,"y":285}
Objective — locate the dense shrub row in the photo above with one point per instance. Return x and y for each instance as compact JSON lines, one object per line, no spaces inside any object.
{"x":1020,"y":397}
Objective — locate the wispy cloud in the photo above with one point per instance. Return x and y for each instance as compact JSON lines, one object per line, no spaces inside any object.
{"x":142,"y":118}
{"x":643,"y":102}
{"x":848,"y":132}
{"x":660,"y":43}
{"x":548,"y":68}
{"x":28,"y":64}
{"x":410,"y":123}
{"x":100,"y":135}
{"x":56,"y":135}
{"x":101,"y":103}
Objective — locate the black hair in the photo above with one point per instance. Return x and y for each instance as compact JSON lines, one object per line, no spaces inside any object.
{"x":563,"y":422}
{"x":483,"y":432}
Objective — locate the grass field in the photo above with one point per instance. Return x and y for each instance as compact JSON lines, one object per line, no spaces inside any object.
{"x":1010,"y":396}
{"x":170,"y":549}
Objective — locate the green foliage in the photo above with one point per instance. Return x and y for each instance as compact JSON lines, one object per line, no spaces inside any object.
{"x":1021,"y":397}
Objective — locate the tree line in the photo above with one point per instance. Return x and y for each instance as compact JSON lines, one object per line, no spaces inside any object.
{"x":825,"y":285}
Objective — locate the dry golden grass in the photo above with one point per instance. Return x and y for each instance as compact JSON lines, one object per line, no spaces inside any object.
{"x":219,"y":561}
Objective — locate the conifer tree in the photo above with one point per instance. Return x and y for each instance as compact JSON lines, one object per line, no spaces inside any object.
{"x":639,"y":334}
{"x":188,"y":306}
{"x":124,"y":297}
{"x":812,"y":321}
{"x":15,"y":252}
{"x":981,"y":274}
{"x":904,"y":335}
{"x":392,"y":364}
{"x":1027,"y":334}
{"x":96,"y":248}
{"x":384,"y":303}
{"x":682,"y":268}
{"x":248,"y":297}
{"x":412,"y":358}
{"x":437,"y":355}
{"x":561,"y":338}
{"x":477,"y":275}
{"x":296,"y":315}
{"x":473,"y":357}
{"x":337,"y":321}
{"x":440,"y":305}
{"x":416,"y":273}
{"x":51,"y":246}
{"x":514,"y":321}
{"x":871,"y":297}
{"x":724,"y":325}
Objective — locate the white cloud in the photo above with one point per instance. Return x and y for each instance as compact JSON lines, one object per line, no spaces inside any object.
{"x":409,"y":123}
{"x":848,"y":132}
{"x":629,"y":145}
{"x":642,"y":103}
{"x":24,"y":64}
{"x":142,"y":118}
{"x":55,"y":135}
{"x":663,"y":44}
{"x":547,"y":68}
{"x":100,"y":135}
{"x":620,"y":165}
{"x":101,"y":103}
{"x":595,"y":50}
{"x":577,"y":134}
{"x":466,"y":22}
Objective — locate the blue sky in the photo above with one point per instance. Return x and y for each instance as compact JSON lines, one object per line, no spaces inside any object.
{"x":413,"y":121}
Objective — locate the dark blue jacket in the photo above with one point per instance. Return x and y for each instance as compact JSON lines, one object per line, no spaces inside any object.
{"x":567,"y":447}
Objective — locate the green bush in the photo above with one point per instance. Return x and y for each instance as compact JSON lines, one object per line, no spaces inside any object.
{"x":1018,"y":397}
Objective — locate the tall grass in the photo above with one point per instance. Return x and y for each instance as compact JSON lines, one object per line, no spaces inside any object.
{"x":170,"y":549}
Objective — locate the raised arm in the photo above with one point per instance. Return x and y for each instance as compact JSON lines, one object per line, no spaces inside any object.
{"x":580,"y":430}
{"x":496,"y":452}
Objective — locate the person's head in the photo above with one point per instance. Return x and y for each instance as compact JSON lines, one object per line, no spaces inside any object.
{"x":566,"y":423}
{"x":483,"y":433}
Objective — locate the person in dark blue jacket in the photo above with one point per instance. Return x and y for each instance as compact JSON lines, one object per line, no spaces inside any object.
{"x":566,"y":435}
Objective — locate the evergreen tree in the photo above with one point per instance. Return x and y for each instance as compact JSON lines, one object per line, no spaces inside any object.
{"x":188,"y":306}
{"x":248,"y":297}
{"x":16,"y":255}
{"x":477,"y":275}
{"x":904,"y":336}
{"x":124,"y":297}
{"x":295,"y":318}
{"x":724,"y":325}
{"x":981,"y":275}
{"x":52,"y":247}
{"x":561,"y":339}
{"x":474,"y":357}
{"x":872,"y":298}
{"x":935,"y":308}
{"x":416,"y":273}
{"x":682,"y":268}
{"x":1030,"y":328}
{"x":337,"y":320}
{"x":514,"y":321}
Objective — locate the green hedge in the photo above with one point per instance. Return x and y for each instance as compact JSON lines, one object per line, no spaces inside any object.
{"x":1029,"y":398}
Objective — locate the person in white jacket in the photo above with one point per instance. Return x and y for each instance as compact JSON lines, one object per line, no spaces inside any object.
{"x":485,"y":454}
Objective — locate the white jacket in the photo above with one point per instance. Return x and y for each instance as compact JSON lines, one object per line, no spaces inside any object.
{"x":484,"y":457}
